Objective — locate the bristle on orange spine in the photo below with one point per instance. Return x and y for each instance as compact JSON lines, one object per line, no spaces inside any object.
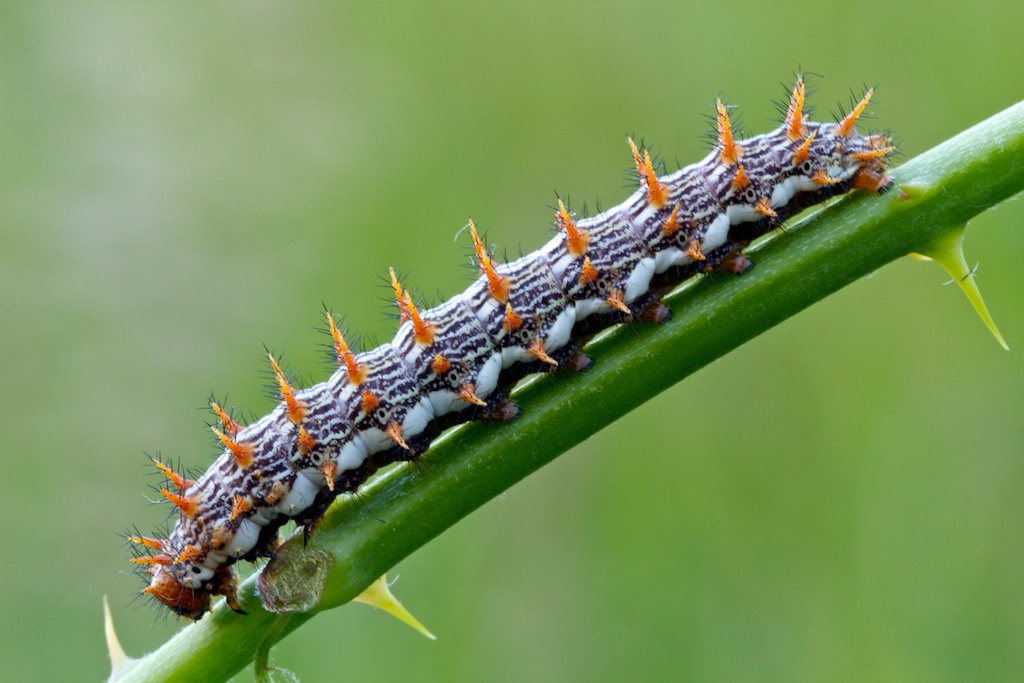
{"x":154,"y":543}
{"x":369,"y":402}
{"x":239,"y":506}
{"x":740,"y":180}
{"x":846,"y":125}
{"x":616,"y":301}
{"x":423,"y":331}
{"x":498,"y":285}
{"x":276,"y":493}
{"x":356,"y":371}
{"x":874,"y":154}
{"x":588,"y":273}
{"x":821,"y":177}
{"x":803,"y":153}
{"x":189,"y":554}
{"x":394,"y":430}
{"x":396,"y":286}
{"x":576,"y":240}
{"x":179,"y":481}
{"x":638,"y":161}
{"x":695,"y":252}
{"x":230,"y":426}
{"x":329,"y":468}
{"x":468,"y":393}
{"x":296,"y":409}
{"x":440,"y":365}
{"x":189,"y":505}
{"x":671,"y":224}
{"x":728,"y":151}
{"x":537,"y":351}
{"x":512,"y":320}
{"x":764,"y":207}
{"x":243,"y":453}
{"x":306,"y":443}
{"x":656,"y":192}
{"x":795,"y":124}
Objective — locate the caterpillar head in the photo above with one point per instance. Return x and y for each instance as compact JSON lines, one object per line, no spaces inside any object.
{"x":179,"y":580}
{"x":827,"y":154}
{"x":819,"y":160}
{"x":799,"y":164}
{"x":188,"y":602}
{"x":833,"y":157}
{"x":870,"y":174}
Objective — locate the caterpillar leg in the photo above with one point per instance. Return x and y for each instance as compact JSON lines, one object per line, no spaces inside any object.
{"x":577,"y":361}
{"x":735,"y":262}
{"x":655,"y":312}
{"x":223,"y":583}
{"x":504,"y":410}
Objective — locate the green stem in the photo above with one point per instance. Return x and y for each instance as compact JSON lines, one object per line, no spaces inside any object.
{"x":936,"y":193}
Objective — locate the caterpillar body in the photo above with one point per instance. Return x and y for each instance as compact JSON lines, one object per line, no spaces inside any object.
{"x":458,"y":361}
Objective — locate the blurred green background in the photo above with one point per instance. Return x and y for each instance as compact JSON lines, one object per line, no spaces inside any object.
{"x":184,"y":182}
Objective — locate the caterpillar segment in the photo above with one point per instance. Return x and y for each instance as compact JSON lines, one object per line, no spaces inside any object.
{"x":458,"y":361}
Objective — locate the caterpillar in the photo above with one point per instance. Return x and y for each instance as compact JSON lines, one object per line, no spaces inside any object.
{"x":459,"y":360}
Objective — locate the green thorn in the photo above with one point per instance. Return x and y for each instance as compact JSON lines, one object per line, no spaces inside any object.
{"x":948,"y":252}
{"x":378,"y":594}
{"x":120,"y":663}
